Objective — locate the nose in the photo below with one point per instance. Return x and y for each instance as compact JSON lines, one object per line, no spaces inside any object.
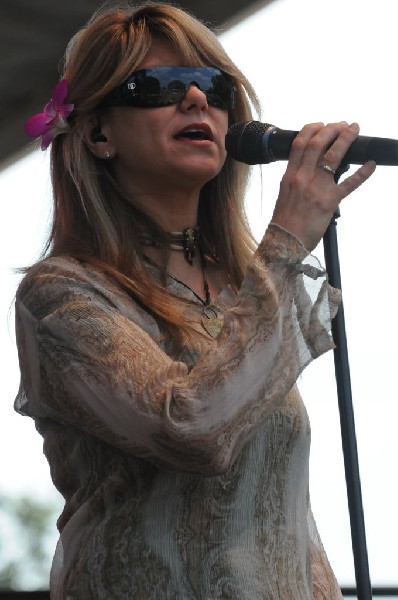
{"x":194,"y":99}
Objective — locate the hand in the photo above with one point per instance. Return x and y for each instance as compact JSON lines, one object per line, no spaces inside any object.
{"x":308,"y":194}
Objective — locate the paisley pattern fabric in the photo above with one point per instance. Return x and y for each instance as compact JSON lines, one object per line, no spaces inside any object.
{"x":185,"y":474}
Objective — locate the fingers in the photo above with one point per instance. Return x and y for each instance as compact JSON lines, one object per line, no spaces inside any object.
{"x":317,"y":152}
{"x":308,"y":194}
{"x":353,"y":182}
{"x":336,"y":152}
{"x":317,"y":143}
{"x":300,"y":144}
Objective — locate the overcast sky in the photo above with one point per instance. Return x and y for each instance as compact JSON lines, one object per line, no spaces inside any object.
{"x":309,"y":60}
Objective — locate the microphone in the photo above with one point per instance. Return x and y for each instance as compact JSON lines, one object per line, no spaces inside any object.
{"x":257,"y":143}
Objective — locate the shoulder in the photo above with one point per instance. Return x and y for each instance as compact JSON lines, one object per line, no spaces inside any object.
{"x":59,"y":280}
{"x":55,"y":272}
{"x":63,"y":285}
{"x":50,"y":268}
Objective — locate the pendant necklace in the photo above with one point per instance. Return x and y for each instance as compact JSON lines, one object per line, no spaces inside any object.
{"x":188,"y":241}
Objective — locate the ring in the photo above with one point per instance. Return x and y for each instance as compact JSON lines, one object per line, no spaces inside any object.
{"x":327,"y":168}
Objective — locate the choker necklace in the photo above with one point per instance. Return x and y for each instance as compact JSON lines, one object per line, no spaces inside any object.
{"x":188,"y":241}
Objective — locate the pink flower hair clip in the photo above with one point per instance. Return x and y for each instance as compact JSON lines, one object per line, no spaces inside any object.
{"x":53,"y":120}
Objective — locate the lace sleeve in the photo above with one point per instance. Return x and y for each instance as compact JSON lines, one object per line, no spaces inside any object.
{"x":86,"y":363}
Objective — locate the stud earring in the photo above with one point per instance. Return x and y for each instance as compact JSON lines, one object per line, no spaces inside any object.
{"x":108,"y":155}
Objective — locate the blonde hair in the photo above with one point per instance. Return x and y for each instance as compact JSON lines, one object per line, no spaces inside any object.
{"x":93,"y":221}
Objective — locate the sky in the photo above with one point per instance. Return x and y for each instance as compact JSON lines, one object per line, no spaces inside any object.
{"x":309,"y":60}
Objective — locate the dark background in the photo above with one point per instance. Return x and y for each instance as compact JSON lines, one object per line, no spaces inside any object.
{"x":33,"y":37}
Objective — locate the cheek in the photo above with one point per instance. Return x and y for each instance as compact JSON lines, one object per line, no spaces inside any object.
{"x":223,"y":124}
{"x":224,"y":119}
{"x":127,"y":126}
{"x":134,"y":142}
{"x":145,"y":130}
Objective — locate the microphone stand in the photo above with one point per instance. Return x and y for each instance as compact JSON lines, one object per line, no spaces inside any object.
{"x":347,"y":423}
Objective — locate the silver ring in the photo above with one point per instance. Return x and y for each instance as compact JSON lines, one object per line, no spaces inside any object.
{"x":327,"y":168}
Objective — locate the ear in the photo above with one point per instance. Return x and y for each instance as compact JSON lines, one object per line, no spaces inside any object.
{"x":97,"y":137}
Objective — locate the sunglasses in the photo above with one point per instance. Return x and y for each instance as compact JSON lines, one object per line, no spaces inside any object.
{"x":163,"y":86}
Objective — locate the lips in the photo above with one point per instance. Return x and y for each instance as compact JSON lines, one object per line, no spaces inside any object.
{"x":195,"y":132}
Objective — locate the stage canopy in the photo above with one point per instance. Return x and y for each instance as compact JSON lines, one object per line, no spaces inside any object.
{"x":33,"y":36}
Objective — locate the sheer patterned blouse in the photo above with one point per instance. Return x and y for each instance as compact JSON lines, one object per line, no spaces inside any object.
{"x":185,"y":475}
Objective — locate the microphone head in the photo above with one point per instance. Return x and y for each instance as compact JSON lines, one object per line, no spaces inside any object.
{"x":244,"y":141}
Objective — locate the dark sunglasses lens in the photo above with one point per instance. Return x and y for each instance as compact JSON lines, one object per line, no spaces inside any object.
{"x":217,"y":86}
{"x":172,"y":87}
{"x":162,"y":86}
{"x":221,"y":92}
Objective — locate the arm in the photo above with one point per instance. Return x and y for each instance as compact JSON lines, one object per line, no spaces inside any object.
{"x":86,"y":364}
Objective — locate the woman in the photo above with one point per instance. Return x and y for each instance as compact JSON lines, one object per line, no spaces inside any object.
{"x":158,"y":348}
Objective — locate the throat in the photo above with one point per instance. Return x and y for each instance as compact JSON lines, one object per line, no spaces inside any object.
{"x":187,"y":241}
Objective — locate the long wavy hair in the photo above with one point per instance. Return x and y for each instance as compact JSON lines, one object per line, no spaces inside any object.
{"x":93,"y":221}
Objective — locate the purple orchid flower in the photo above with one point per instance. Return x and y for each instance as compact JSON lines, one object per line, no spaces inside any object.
{"x":52,"y":121}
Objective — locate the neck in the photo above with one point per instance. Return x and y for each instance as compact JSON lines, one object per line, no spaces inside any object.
{"x":186,"y":241}
{"x":173,"y":209}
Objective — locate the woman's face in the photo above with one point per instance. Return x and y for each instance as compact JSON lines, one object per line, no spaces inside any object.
{"x":149,"y":151}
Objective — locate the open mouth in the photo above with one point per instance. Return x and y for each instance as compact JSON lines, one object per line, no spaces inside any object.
{"x":195,"y":133}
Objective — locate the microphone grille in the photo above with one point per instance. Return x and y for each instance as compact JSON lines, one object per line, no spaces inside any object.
{"x":244,"y":141}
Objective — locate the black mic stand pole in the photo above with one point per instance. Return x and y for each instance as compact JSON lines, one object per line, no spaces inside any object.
{"x":347,"y":423}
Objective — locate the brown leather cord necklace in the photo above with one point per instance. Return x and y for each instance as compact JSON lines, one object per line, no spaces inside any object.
{"x":189,"y":242}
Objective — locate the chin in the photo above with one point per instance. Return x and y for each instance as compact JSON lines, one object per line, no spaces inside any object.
{"x":200,"y":173}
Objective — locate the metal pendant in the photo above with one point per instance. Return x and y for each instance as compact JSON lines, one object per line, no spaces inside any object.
{"x":211,"y":322}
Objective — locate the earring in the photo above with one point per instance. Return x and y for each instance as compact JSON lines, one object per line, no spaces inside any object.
{"x":108,"y":155}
